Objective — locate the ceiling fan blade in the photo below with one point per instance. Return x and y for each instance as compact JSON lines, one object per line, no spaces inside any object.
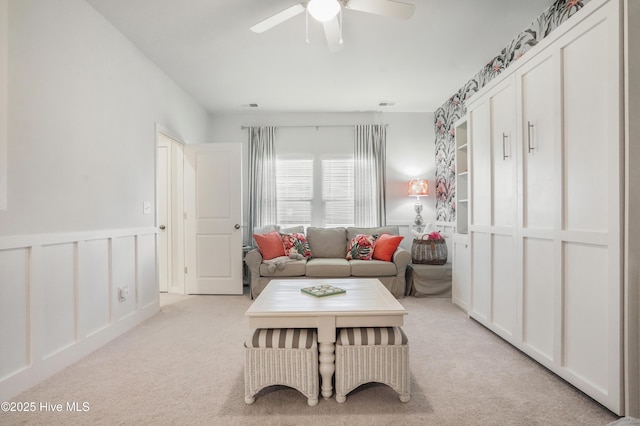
{"x":332,"y":33}
{"x":391,"y":8}
{"x":278,"y":18}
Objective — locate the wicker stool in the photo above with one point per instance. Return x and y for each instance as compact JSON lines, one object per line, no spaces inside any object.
{"x":282,"y":356}
{"x":373,"y":354}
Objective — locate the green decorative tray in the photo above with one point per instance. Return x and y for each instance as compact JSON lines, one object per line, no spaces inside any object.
{"x":323,"y":290}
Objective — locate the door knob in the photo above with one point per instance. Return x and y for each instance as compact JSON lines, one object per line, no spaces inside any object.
{"x":236,"y":226}
{"x":162,"y":227}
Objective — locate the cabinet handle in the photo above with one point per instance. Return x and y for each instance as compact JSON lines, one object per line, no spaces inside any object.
{"x":529,"y":128}
{"x":504,"y":146}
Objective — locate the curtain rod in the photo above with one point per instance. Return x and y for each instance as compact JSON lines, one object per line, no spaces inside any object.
{"x":311,"y":125}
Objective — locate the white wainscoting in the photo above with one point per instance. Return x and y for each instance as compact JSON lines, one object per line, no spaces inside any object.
{"x":59,"y":298}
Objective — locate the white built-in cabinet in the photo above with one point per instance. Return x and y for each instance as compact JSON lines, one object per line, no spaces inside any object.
{"x":492,"y":119}
{"x":545,"y":204}
{"x":461,"y":290}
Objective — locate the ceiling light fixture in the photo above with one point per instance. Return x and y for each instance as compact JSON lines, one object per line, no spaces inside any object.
{"x":323,"y":10}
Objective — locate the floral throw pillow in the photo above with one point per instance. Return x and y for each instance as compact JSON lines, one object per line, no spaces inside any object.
{"x":297,"y":243}
{"x":361,"y":247}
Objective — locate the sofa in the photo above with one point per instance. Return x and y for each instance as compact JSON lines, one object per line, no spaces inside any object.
{"x":329,"y":257}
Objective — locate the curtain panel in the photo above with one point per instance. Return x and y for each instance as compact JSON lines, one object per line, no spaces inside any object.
{"x":369,"y":175}
{"x":262,"y":179}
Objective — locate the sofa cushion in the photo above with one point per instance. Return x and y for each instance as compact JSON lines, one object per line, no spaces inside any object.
{"x":360,"y":247}
{"x":283,"y":268}
{"x":266,"y":229}
{"x":283,"y":338}
{"x":366,"y":336}
{"x":328,"y":267}
{"x":299,"y":229}
{"x":327,"y":242}
{"x":372,"y":268}
{"x":353,"y":231}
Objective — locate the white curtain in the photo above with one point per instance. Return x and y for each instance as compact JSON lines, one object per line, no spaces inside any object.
{"x":262,"y":179}
{"x":369,"y":175}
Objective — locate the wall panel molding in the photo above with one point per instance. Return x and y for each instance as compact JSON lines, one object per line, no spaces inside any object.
{"x":59,"y":298}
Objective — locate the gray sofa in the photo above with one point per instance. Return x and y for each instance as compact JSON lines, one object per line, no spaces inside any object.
{"x":329,"y":249}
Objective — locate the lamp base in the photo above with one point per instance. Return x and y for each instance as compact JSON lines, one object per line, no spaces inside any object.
{"x":418,"y":208}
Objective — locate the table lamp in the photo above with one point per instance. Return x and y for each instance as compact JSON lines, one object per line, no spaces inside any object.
{"x":418,"y":188}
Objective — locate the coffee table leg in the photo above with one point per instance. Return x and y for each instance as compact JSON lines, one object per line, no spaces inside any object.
{"x":327,"y":367}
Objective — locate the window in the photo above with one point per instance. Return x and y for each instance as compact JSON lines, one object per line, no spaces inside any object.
{"x":294,"y":189}
{"x":337,"y":192}
{"x":315,"y":192}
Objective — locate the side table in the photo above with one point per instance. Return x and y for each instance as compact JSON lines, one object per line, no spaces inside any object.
{"x":246,"y":277}
{"x":428,"y":280}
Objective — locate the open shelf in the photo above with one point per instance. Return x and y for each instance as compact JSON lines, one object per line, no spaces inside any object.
{"x":462,"y":177}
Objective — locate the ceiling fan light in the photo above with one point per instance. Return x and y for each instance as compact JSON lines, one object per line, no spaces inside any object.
{"x":323,"y":10}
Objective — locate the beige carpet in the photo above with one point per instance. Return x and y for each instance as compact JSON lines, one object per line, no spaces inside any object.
{"x":185,"y":366}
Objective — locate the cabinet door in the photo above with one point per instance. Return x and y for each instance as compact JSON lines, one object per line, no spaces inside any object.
{"x":461,"y":292}
{"x":539,"y":88}
{"x":504,"y":284}
{"x":481,"y":276}
{"x":480,"y":164}
{"x":591,"y":202}
{"x":539,"y":314}
{"x":503,"y":125}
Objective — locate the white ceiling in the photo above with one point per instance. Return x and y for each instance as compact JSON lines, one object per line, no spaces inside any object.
{"x":206,"y":47}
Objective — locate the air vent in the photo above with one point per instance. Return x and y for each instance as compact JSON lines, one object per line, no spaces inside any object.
{"x":387,"y":104}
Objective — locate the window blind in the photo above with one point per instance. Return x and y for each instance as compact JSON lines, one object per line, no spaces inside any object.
{"x":294,"y":187}
{"x":337,"y":192}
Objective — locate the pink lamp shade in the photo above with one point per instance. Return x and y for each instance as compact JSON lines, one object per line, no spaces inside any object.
{"x":418,"y":187}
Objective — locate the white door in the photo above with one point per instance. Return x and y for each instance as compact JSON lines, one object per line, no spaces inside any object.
{"x":213,"y":201}
{"x":169,"y":208}
{"x":163,"y":209}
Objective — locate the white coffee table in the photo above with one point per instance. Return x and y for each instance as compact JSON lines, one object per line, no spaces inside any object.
{"x":367,"y":303}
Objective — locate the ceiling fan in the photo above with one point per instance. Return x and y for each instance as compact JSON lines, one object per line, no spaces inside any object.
{"x":329,"y":11}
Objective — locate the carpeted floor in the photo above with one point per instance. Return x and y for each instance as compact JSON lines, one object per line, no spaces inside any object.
{"x":185,"y":366}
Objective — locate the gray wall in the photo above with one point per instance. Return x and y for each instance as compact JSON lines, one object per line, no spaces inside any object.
{"x":83,"y":105}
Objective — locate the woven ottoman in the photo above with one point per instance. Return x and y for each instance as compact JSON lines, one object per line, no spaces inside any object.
{"x":282,"y":356}
{"x":372,"y":354}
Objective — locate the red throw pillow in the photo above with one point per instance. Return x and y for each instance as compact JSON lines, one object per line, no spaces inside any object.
{"x":385,"y":246}
{"x":270,"y":245}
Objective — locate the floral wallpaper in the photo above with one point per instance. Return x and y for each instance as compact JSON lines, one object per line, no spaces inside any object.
{"x":455,"y":107}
